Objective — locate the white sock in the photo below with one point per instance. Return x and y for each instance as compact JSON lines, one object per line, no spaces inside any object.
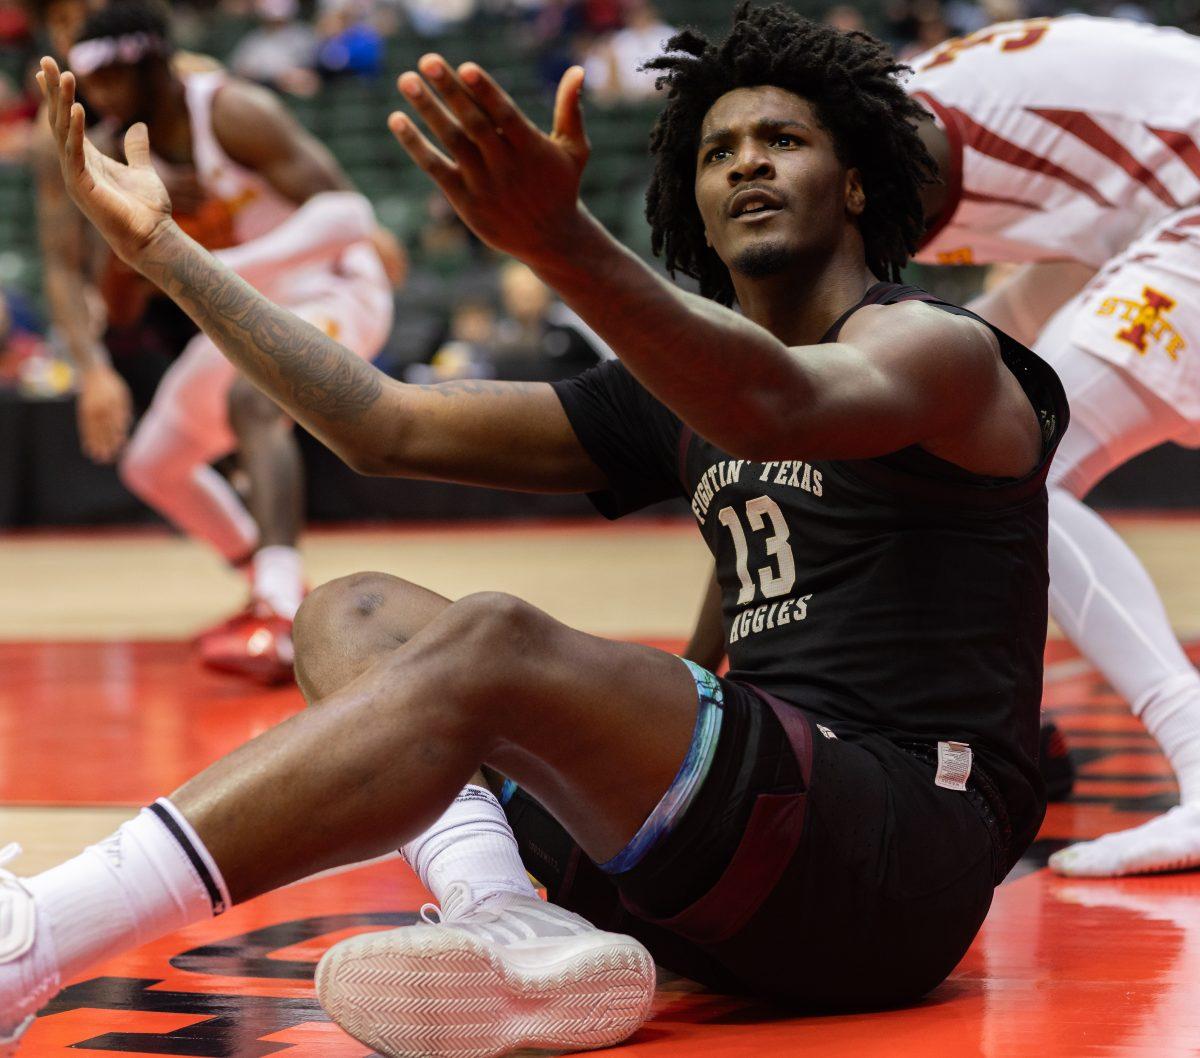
{"x":1171,"y":713}
{"x":473,"y":843}
{"x":278,"y":579}
{"x":128,"y":890}
{"x":1104,"y":600}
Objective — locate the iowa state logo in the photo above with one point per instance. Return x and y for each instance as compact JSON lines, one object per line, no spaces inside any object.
{"x":1147,"y":322}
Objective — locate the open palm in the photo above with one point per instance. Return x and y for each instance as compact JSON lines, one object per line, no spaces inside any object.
{"x":128,"y":204}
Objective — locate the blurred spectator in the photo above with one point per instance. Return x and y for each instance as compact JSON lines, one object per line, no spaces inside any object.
{"x":927,"y":25}
{"x":431,"y":18}
{"x":558,"y":27}
{"x":444,"y":243}
{"x":24,"y":356}
{"x":612,"y":65}
{"x":15,"y":29}
{"x":537,"y":336}
{"x":281,"y":52}
{"x":1002,"y":11}
{"x":847,"y":18}
{"x":350,"y":42}
{"x":467,"y":350}
{"x":17,"y":110}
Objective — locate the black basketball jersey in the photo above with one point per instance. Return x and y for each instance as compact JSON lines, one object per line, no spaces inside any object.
{"x":901,"y":596}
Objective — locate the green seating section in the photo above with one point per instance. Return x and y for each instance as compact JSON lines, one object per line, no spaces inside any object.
{"x":20,"y":262}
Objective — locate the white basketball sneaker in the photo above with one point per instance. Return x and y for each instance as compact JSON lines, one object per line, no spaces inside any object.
{"x":1170,"y":842}
{"x":28,"y":968}
{"x":486,"y":978}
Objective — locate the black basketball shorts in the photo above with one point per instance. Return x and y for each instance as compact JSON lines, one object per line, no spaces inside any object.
{"x":809,"y":869}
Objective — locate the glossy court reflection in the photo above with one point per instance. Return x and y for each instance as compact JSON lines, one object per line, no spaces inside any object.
{"x":1062,"y":968}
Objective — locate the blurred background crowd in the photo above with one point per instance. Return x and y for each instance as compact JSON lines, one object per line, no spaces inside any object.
{"x":461,"y":310}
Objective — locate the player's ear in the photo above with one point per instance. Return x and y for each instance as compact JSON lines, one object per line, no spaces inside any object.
{"x":855,"y":197}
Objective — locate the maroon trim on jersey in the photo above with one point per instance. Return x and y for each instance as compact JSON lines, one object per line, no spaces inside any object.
{"x":1183,"y":145}
{"x":1087,"y":130}
{"x":954,"y":177}
{"x":875,"y":295}
{"x":1170,"y":236}
{"x":1000,"y":200}
{"x":985,"y":141}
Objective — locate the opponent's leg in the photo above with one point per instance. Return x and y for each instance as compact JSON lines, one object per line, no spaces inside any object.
{"x":166,"y":462}
{"x":270,"y":457}
{"x":488,"y":679}
{"x":1107,"y":605}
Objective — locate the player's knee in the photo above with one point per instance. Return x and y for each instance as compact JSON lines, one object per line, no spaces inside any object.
{"x":499,"y":627}
{"x":339,"y":633}
{"x":250,"y":408}
{"x":142,"y":471}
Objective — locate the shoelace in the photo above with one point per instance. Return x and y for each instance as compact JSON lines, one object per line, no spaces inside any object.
{"x":428,"y":913}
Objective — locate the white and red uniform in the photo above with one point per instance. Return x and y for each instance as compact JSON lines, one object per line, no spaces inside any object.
{"x":347,"y":295}
{"x":1078,"y":138}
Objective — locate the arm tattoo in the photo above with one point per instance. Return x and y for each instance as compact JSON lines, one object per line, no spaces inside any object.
{"x":477,"y":386}
{"x":303,"y":369}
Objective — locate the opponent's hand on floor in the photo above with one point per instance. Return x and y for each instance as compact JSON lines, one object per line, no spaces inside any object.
{"x":128,"y":204}
{"x":514,"y":186}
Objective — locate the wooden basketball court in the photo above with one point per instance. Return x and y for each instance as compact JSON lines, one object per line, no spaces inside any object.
{"x":103,"y":707}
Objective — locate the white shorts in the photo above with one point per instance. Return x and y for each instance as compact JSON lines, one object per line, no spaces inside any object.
{"x":1141,"y":313}
{"x":353,"y":306}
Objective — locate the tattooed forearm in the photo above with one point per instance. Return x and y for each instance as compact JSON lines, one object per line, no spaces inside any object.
{"x":477,"y":387}
{"x":304,"y":370}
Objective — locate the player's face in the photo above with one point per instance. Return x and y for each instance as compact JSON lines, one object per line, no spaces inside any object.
{"x":63,"y":21}
{"x":769,"y":185}
{"x":115,"y":92}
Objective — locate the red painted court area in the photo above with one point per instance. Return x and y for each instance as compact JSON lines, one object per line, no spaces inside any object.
{"x":1062,"y":969}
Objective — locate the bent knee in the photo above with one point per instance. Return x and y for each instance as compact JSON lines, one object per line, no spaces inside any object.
{"x":355,"y":598}
{"x":249,"y":406}
{"x":347,"y":625}
{"x":496,"y":621}
{"x":146,"y":473}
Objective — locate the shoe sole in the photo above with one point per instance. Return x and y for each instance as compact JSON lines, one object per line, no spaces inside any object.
{"x":443,"y":993}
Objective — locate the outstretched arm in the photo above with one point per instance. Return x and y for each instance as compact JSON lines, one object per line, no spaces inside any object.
{"x":504,"y":434}
{"x":743,"y":389}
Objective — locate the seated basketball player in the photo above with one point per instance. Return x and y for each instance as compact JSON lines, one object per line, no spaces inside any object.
{"x":868,"y":466}
{"x":1091,"y":185}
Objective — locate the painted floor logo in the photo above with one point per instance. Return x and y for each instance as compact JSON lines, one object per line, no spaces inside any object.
{"x":230,"y":1023}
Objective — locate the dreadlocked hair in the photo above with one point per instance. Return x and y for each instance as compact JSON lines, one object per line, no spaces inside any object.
{"x":123,"y":17}
{"x":851,"y":81}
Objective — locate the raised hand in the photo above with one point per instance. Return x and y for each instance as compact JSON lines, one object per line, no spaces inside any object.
{"x":516,"y":187}
{"x":128,"y":204}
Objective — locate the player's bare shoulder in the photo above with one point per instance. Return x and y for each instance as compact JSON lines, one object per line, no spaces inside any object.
{"x":918,"y":330}
{"x":247,"y":118}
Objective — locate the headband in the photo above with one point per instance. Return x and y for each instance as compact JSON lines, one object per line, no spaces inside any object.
{"x":88,"y":56}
